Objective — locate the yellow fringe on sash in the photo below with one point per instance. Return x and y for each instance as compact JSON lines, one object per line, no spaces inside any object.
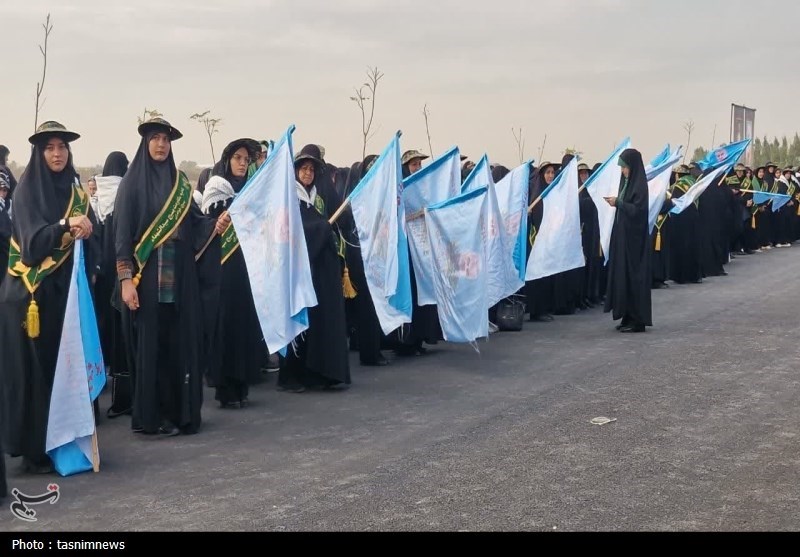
{"x":658,"y":241}
{"x":349,"y":291}
{"x":33,"y":320}
{"x":798,"y":210}
{"x":753,"y":222}
{"x":137,"y":279}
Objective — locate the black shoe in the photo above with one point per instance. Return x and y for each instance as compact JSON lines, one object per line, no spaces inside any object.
{"x":230,"y":405}
{"x":724,"y":274}
{"x":39,"y":466}
{"x":244,"y":403}
{"x":544,"y":318}
{"x":112,"y":413}
{"x":168,"y":429}
{"x":296,"y":389}
{"x":422,"y":351}
{"x":632,"y":329}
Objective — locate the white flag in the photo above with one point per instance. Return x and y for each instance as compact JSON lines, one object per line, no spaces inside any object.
{"x":558,"y":246}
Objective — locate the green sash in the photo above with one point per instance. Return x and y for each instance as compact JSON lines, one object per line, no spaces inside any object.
{"x":32,"y":277}
{"x":230,"y":243}
{"x":166,"y":223}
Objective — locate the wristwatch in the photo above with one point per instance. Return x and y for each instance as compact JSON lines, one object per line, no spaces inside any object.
{"x":64,"y":224}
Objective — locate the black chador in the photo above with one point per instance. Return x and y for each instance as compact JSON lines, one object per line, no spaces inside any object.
{"x":629,"y":277}
{"x":158,"y":233}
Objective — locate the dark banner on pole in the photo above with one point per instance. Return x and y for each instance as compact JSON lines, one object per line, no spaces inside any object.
{"x":743,"y":122}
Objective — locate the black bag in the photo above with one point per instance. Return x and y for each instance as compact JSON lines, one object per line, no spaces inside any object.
{"x":121,"y":396}
{"x":510,"y":314}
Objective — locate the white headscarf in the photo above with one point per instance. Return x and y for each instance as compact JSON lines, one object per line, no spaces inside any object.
{"x":217,"y":189}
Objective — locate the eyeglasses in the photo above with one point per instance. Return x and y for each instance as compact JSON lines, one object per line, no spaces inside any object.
{"x":239,"y":158}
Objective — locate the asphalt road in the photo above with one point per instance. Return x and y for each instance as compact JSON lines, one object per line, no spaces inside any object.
{"x":707,"y":406}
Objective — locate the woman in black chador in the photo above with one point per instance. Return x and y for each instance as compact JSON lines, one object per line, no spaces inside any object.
{"x":319,"y":357}
{"x":539,"y":293}
{"x":236,"y":349}
{"x":159,"y":284}
{"x":367,"y":327}
{"x":628,"y":292}
{"x":51,"y":210}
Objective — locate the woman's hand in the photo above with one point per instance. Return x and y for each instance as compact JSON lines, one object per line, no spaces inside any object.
{"x":80,"y":227}
{"x":611,"y":201}
{"x":129,"y":295}
{"x":223,"y":222}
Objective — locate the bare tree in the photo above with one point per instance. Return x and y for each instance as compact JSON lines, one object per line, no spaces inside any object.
{"x":689,"y":128}
{"x":541,"y":151}
{"x":40,"y":85}
{"x":149,"y":114}
{"x":426,"y":113}
{"x":366,"y":95}
{"x":520,"y":144}
{"x":210,"y":125}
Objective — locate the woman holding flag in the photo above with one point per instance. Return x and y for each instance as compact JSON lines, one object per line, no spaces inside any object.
{"x":234,"y":357}
{"x":319,"y":357}
{"x":51,"y":211}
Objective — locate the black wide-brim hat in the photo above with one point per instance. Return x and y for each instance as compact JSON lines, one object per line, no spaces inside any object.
{"x":161,"y":125}
{"x":50,"y":129}
{"x":309,"y":153}
{"x":253,"y":148}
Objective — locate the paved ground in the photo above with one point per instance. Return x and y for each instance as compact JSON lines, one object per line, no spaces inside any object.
{"x":707,"y":405}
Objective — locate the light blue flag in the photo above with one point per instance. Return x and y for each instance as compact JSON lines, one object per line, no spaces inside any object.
{"x":660,"y":158}
{"x":605,"y":183}
{"x":79,"y":379}
{"x":696,"y":190}
{"x":379,"y":221}
{"x":266,"y":216}
{"x":512,"y":197}
{"x":502,"y":274}
{"x":459,"y":261}
{"x":558,"y":247}
{"x":658,"y":178}
{"x":724,"y":156}
{"x":437,"y":182}
{"x":778,"y":199}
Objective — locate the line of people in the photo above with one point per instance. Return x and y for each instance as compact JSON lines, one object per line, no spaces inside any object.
{"x":172,"y":289}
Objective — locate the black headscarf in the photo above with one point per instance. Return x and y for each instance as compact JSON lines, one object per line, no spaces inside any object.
{"x":499,"y":172}
{"x":537,"y":183}
{"x":40,"y":200}
{"x":116,"y":164}
{"x":202,"y":180}
{"x":223,"y":167}
{"x":637,"y":180}
{"x":142,"y":193}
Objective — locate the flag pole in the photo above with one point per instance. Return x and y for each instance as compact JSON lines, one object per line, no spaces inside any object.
{"x":339,"y":211}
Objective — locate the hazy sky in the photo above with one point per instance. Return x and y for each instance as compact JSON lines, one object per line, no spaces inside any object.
{"x":584,"y":72}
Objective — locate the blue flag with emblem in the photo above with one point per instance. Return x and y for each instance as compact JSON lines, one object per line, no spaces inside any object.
{"x":266,"y":216}
{"x":379,"y":220}
{"x":79,"y":379}
{"x":437,"y":182}
{"x":457,"y":228}
{"x":726,"y":155}
{"x":502,"y":274}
